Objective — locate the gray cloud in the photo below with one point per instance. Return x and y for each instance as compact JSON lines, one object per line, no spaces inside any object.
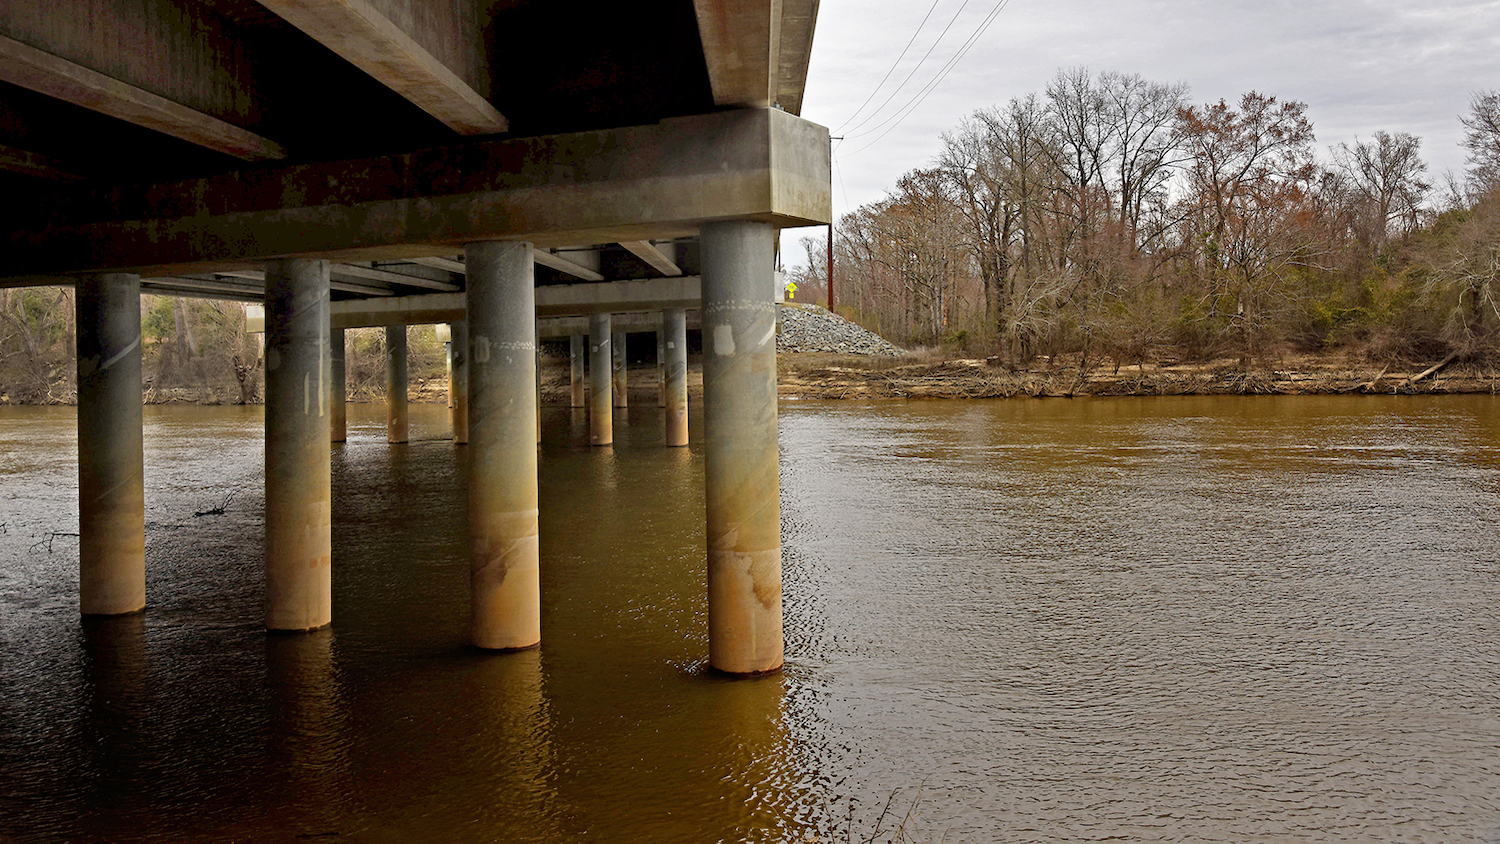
{"x":1360,"y":65}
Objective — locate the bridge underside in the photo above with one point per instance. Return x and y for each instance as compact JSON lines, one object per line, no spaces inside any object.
{"x":378,"y":162}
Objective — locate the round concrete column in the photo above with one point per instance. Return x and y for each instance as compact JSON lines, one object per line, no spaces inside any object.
{"x":618,"y":369}
{"x":601,"y":405}
{"x":742,"y":490}
{"x":504,"y":572}
{"x":674,"y":339}
{"x":661,"y":364}
{"x":459,"y":381}
{"x":337,"y":412}
{"x":395,"y":384}
{"x":575,"y":367}
{"x":536,"y":344}
{"x":298,"y":363}
{"x":111,"y":493}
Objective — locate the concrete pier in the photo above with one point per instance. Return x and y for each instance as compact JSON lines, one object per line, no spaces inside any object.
{"x":111,"y":493}
{"x":536,"y":346}
{"x":742,"y":491}
{"x":661,"y":364}
{"x":338,"y":416}
{"x":298,"y":543}
{"x":601,"y":377}
{"x":504,"y":572}
{"x":575,"y":368}
{"x":619,"y":386}
{"x":396,"y":425}
{"x":458,"y":382}
{"x":674,"y":381}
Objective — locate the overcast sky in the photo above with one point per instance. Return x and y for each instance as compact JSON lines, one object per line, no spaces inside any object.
{"x":1360,"y":65}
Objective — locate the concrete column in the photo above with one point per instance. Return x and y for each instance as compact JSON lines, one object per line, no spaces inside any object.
{"x":601,"y":405}
{"x":674,"y":334}
{"x":459,"y":381}
{"x":619,"y":369}
{"x":111,"y":491}
{"x":536,"y":344}
{"x":298,"y":542}
{"x":741,"y":492}
{"x":661,"y":364}
{"x":504,"y":572}
{"x":337,"y":413}
{"x":395,"y":384}
{"x":575,"y":364}
{"x":448,"y":364}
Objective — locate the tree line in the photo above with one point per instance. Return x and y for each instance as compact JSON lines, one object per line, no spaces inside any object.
{"x":1110,"y":218}
{"x":192,"y":350}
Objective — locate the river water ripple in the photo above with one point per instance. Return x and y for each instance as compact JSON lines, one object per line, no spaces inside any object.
{"x":1187,"y":619}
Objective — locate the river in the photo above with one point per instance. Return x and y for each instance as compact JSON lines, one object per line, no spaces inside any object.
{"x":1193,"y":619}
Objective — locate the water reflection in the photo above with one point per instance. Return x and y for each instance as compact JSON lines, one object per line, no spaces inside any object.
{"x":308,"y":733}
{"x":115,"y":726}
{"x":1197,"y":619}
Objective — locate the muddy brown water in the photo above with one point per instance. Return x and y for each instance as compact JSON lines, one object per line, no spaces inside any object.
{"x":1193,"y":619}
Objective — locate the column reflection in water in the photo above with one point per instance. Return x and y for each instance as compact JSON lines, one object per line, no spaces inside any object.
{"x":508,"y":750}
{"x":308,"y":733}
{"x":116,"y":715}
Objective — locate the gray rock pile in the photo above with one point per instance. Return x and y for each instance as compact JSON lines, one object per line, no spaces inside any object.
{"x":808,"y":328}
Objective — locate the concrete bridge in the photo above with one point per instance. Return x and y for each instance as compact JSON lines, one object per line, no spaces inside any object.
{"x":386,"y":162}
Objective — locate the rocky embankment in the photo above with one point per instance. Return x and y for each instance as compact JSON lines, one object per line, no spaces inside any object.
{"x":809,"y":328}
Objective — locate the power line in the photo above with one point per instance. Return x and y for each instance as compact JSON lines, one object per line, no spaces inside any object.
{"x":914,"y":69}
{"x":887,"y":76}
{"x":906,"y":110}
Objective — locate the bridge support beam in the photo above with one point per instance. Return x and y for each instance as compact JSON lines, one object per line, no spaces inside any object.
{"x":111,"y":491}
{"x":601,"y":405}
{"x":458,"y":381}
{"x":298,"y":495}
{"x":504,"y":575}
{"x":396,"y":430}
{"x":338,"y":415}
{"x":575,"y":368}
{"x":742,"y":491}
{"x":618,"y":369}
{"x":674,"y":384}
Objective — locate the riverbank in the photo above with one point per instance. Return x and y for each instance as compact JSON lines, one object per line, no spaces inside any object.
{"x":844,"y":377}
{"x":841,"y":376}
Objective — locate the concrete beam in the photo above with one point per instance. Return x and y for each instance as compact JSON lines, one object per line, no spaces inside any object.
{"x":648,"y":252}
{"x":392,"y":278}
{"x":159,"y":288}
{"x":194,"y":286}
{"x":448,"y":264}
{"x":572,"y":268}
{"x":741,"y":47}
{"x":556,"y":300}
{"x":369,"y":40}
{"x":554,"y":327}
{"x":798,"y":20}
{"x":543,"y":257}
{"x":28,"y":67}
{"x":607,"y":186}
{"x":344,"y":286}
{"x":34,"y":165}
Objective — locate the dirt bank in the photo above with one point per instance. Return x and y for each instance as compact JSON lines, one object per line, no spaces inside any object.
{"x":840,"y":377}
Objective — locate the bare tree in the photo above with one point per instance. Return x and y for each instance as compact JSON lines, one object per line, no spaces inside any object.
{"x":1482,"y":140}
{"x":1385,"y":177}
{"x":1248,"y":175}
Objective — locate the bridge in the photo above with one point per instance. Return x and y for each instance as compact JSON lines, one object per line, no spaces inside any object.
{"x":487,"y":163}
